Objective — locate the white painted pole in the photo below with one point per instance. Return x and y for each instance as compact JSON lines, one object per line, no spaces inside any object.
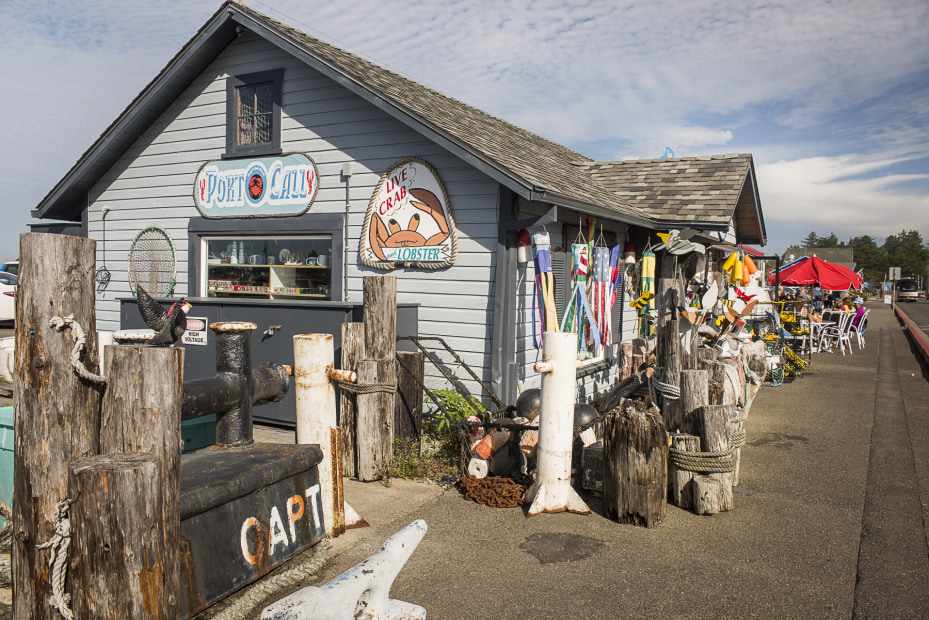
{"x":552,"y":490}
{"x":316,"y":412}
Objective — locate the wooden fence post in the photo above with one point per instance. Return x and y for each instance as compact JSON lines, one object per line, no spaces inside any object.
{"x":121,"y":561}
{"x":353,"y":351}
{"x":57,"y":413}
{"x":142,"y":413}
{"x":375,"y":415}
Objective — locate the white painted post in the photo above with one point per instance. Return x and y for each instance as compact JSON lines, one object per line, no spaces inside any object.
{"x":316,"y":420}
{"x":316,"y":413}
{"x":552,"y":490}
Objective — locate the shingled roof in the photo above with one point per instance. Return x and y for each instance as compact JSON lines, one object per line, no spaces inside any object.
{"x":689,"y":191}
{"x":538,"y":164}
{"x":530,"y":165}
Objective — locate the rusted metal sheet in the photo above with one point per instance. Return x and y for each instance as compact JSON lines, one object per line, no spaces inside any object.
{"x":244,"y":511}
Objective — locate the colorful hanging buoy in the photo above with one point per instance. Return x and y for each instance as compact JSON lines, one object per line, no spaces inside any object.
{"x":543,"y":300}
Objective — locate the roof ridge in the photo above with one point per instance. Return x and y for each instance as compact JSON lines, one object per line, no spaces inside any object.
{"x":691,"y":158}
{"x":337,"y":51}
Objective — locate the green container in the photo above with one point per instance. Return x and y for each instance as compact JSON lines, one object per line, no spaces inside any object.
{"x":197,"y":433}
{"x":6,"y":458}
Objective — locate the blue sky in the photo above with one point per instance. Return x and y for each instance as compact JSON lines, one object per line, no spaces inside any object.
{"x":831,"y":98}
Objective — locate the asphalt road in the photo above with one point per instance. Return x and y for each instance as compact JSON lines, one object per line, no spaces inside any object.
{"x":918,"y":312}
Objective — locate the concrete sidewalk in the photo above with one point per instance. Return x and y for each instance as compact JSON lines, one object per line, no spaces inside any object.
{"x":794,"y":547}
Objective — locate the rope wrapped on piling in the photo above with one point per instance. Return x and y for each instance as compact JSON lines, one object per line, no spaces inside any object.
{"x":703,"y":462}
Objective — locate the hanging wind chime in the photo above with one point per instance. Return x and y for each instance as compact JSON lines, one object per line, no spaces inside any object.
{"x":578,"y":316}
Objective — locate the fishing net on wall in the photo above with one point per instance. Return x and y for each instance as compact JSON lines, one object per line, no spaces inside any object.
{"x":152,"y":262}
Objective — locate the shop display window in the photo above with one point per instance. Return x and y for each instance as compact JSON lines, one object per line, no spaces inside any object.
{"x":277,"y":267}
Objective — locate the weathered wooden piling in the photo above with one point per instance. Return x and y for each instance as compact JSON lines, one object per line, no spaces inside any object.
{"x":714,"y":437}
{"x":57,"y":412}
{"x":635,"y":465}
{"x":123,"y":563}
{"x":374,"y":426}
{"x":353,"y":348}
{"x":141,"y":413}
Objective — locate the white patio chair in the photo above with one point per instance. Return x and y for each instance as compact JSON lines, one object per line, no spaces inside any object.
{"x":859,"y":329}
{"x":837,"y":334}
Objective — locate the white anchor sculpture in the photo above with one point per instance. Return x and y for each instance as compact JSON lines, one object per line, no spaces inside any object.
{"x":360,"y":592}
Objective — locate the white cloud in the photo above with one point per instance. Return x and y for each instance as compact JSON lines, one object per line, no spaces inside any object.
{"x":628,"y":77}
{"x":827,"y":194}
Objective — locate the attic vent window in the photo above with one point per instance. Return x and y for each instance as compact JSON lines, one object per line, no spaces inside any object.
{"x":253,"y":114}
{"x":255,"y":110}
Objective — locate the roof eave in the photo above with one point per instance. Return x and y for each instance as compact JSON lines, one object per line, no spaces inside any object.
{"x":750,"y":183}
{"x":597,"y":210}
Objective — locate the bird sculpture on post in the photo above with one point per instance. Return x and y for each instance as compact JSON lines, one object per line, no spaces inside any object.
{"x":169,"y":325}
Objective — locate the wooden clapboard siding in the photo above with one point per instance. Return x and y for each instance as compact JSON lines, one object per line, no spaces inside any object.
{"x":153,"y":184}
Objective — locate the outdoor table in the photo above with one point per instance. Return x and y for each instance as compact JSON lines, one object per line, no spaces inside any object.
{"x":816,"y":328}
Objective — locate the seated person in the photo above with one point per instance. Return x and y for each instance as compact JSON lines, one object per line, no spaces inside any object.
{"x":817,"y":299}
{"x":859,"y":312}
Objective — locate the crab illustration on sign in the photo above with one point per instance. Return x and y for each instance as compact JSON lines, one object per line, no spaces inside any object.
{"x":409,"y":220}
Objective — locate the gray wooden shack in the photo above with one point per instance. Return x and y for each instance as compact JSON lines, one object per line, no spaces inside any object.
{"x":355,"y":120}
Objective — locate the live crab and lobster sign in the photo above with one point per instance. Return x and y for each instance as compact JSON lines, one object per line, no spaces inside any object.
{"x":409,"y":220}
{"x":280,"y":186}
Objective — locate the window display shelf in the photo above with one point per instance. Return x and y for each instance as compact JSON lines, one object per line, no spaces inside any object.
{"x":240,"y":267}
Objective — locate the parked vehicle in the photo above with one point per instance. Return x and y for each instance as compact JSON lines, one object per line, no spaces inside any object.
{"x":907,"y":289}
{"x":11,"y":267}
{"x":8,"y":284}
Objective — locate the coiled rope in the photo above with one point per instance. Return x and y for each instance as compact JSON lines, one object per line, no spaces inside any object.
{"x":58,"y":560}
{"x":737,"y":439}
{"x":703,"y":462}
{"x":77,"y":351}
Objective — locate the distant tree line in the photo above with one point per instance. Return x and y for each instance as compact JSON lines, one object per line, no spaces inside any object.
{"x":905,"y":250}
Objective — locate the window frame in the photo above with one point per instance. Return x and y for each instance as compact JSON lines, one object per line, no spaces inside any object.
{"x":310,"y":225}
{"x":233,"y":84}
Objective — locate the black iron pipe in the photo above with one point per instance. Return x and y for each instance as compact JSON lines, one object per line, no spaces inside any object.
{"x":210,"y":395}
{"x":223,"y":391}
{"x":234,"y":355}
{"x":271,"y":383}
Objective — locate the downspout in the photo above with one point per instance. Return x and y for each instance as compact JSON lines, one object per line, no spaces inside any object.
{"x":347,"y":173}
{"x":503,"y":343}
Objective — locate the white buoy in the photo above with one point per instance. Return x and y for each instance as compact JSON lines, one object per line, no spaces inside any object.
{"x":360,"y":592}
{"x":552,"y":490}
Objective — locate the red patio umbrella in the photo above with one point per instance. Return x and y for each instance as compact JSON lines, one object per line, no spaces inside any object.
{"x":830,"y":276}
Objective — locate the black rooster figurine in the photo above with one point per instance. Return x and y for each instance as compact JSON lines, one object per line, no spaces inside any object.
{"x":169,"y":325}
